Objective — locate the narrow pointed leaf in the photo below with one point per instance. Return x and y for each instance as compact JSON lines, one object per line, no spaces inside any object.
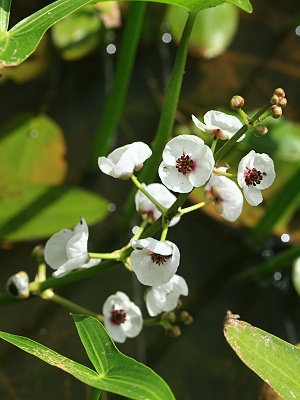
{"x":19,"y":42}
{"x":274,"y":360}
{"x":119,"y":374}
{"x":81,"y":372}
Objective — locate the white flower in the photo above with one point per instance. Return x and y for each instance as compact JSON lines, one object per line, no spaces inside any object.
{"x":154,"y":262}
{"x":165,"y":297}
{"x":217,"y":123}
{"x":228,"y":197}
{"x":187,"y":163}
{"x":67,"y":250}
{"x":122,"y":318}
{"x":122,"y":162}
{"x":161,"y":194}
{"x":255,"y":173}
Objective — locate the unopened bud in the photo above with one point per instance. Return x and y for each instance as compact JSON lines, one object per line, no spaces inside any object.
{"x":189,"y":320}
{"x":179,"y":303}
{"x":18,"y":285}
{"x":279,"y":92}
{"x":282,"y":102}
{"x":38,"y":253}
{"x":174,"y":332}
{"x":274,"y":99}
{"x":260,"y":130}
{"x":276,"y":111}
{"x":237,"y":102}
{"x":171,"y":317}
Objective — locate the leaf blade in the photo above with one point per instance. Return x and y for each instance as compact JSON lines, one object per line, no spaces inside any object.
{"x":272,"y":359}
{"x":119,"y":374}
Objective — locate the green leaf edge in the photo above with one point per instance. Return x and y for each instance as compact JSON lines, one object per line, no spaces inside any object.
{"x":237,"y":332}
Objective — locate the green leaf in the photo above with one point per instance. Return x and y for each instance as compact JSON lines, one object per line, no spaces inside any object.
{"x":32,"y":150}
{"x":213,"y":30}
{"x":81,"y":372}
{"x":35,"y":211}
{"x":18,"y":43}
{"x":4,"y":14}
{"x":77,"y":34}
{"x":119,"y":374}
{"x":274,"y":360}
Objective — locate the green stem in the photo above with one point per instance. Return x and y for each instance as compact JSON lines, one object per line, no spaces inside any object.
{"x":114,"y":105}
{"x":217,"y":172}
{"x":141,"y":188}
{"x":116,"y":255}
{"x":96,"y":394}
{"x":213,"y":145}
{"x":167,"y":118}
{"x":231,"y":142}
{"x":195,"y":206}
{"x":4,"y":14}
{"x":69,"y":305}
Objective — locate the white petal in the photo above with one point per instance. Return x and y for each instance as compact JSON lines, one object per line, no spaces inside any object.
{"x":253,"y":195}
{"x":263,"y":163}
{"x":199,"y":124}
{"x":68,"y":266}
{"x":204,"y":165}
{"x":115,"y":331}
{"x":77,"y":246}
{"x":173,"y":179}
{"x":152,"y":274}
{"x":55,"y":248}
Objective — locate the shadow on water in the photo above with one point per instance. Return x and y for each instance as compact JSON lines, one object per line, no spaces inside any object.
{"x":198,"y":364}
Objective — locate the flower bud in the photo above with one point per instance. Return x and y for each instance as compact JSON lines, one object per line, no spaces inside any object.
{"x":171,"y":317}
{"x":282,"y":102}
{"x":38,"y":253}
{"x":279,"y":92}
{"x":274,"y":99}
{"x":276,"y":111}
{"x":174,"y":332}
{"x":260,"y":130}
{"x":237,"y":102}
{"x":18,"y":285}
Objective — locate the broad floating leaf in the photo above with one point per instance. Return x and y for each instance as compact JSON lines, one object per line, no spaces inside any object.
{"x":77,"y":34}
{"x":213,"y":30}
{"x":116,"y":372}
{"x":36,"y":211}
{"x":19,"y":42}
{"x":32,"y":151}
{"x":274,"y":360}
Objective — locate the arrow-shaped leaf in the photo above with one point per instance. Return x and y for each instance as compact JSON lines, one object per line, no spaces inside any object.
{"x":119,"y":374}
{"x":116,"y":372}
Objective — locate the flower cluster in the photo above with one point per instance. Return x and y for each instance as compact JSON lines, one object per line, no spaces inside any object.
{"x":187,"y":163}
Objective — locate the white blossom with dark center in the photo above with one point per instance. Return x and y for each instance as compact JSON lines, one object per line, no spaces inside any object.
{"x":255,"y":173}
{"x":122,"y":318}
{"x":187,"y":163}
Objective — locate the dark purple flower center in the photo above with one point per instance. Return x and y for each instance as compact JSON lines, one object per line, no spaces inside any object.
{"x":118,"y":317}
{"x":159,"y":259}
{"x":253,"y":176}
{"x":185,"y":164}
